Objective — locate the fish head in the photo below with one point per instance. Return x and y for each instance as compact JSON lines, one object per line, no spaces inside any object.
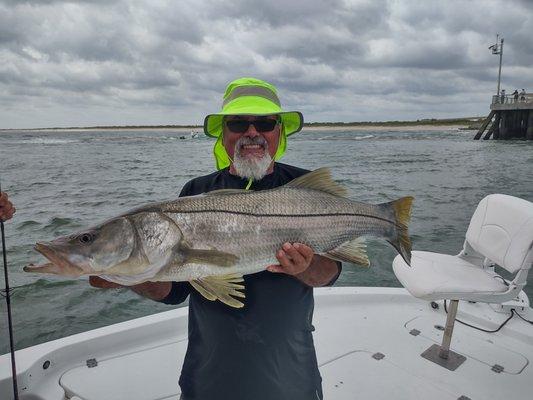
{"x":90,"y":251}
{"x":137,"y":244}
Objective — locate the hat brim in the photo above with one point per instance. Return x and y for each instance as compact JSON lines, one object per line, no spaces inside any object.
{"x":292,"y":121}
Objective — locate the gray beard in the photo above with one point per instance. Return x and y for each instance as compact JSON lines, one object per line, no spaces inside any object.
{"x":255,"y":168}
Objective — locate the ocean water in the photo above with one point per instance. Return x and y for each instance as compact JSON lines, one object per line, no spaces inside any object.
{"x":64,"y":181}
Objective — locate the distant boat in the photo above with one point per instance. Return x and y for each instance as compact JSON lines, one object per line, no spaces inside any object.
{"x":194,"y":134}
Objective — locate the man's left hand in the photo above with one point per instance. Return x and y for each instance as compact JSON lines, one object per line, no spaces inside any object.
{"x":293,"y":259}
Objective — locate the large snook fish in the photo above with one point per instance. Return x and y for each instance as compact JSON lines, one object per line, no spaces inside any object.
{"x":211,"y":240}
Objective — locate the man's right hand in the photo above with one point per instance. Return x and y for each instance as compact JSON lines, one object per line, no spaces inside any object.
{"x":6,"y":207}
{"x":96,"y":281}
{"x":153,"y":290}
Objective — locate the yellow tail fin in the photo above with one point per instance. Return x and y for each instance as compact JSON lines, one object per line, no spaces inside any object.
{"x":402,"y":213}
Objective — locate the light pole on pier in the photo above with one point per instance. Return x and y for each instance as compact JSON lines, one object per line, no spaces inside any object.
{"x":497,"y":48}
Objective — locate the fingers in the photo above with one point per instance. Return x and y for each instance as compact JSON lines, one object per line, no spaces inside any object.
{"x":96,"y":281}
{"x":306,"y":251}
{"x":293,"y":259}
{"x":6,"y":207}
{"x":275,"y":268}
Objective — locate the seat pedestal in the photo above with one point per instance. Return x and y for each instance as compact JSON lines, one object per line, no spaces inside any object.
{"x":442,"y":355}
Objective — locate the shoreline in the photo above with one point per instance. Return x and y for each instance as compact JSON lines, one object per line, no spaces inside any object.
{"x":199,"y":130}
{"x":386,"y":128}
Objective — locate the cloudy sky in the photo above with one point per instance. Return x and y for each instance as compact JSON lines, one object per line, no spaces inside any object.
{"x":103,"y":62}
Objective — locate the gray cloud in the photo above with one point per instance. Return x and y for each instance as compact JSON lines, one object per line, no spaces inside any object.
{"x":134,"y":62}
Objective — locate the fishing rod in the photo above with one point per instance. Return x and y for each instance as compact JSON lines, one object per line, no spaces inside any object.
{"x":8,"y":302}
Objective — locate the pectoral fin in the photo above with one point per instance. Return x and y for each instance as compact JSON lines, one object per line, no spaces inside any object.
{"x":353,"y":252}
{"x":222,"y":287}
{"x":212,"y":257}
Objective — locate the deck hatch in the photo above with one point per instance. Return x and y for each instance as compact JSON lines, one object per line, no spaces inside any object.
{"x":146,"y":374}
{"x":359,"y":373}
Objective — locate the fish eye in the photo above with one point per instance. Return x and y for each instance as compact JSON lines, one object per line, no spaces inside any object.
{"x":86,"y":238}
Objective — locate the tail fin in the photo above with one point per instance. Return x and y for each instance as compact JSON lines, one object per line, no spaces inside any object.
{"x":402,"y":214}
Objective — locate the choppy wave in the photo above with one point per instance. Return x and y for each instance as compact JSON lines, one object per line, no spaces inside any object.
{"x":29,"y":224}
{"x":351,"y":137}
{"x":60,"y":226}
{"x":51,"y":141}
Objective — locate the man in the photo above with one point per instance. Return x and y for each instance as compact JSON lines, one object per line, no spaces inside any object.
{"x":265,"y":350}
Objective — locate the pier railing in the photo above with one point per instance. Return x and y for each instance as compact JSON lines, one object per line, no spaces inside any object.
{"x":511,"y":117}
{"x":512,"y":99}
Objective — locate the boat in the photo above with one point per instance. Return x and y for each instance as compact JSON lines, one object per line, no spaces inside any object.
{"x":372,"y":342}
{"x":369,"y":343}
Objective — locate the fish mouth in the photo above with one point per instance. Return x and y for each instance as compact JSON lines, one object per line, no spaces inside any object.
{"x":59,"y":264}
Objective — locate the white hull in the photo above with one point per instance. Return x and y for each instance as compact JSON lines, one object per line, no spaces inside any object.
{"x":140,"y":359}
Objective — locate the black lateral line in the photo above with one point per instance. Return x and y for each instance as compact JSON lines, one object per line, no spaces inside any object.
{"x":281,"y":215}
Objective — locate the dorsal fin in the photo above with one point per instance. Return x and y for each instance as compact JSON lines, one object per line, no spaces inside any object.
{"x":321,"y":180}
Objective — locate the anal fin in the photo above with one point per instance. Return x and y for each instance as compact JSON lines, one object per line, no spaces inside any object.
{"x":353,"y":251}
{"x":221,"y":287}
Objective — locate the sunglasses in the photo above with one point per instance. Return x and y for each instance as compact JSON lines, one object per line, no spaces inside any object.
{"x":242,"y":125}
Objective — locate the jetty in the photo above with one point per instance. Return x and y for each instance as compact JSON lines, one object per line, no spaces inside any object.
{"x":511,"y":117}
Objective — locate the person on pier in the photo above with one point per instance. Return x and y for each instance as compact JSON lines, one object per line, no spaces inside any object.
{"x":502,"y":96}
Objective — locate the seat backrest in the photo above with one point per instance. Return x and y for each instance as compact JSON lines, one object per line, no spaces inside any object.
{"x":501,"y":229}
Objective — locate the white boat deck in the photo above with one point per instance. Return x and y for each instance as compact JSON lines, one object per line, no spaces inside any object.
{"x":368,"y":342}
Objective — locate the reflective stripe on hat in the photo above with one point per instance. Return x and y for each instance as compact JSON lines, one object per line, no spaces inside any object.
{"x":251,"y":90}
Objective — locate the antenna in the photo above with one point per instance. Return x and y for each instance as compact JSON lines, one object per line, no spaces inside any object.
{"x":497,"y":49}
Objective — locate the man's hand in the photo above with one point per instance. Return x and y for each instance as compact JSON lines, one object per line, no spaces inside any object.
{"x":293,"y":259}
{"x":97,"y":282}
{"x":300,"y":261}
{"x":152,"y":290}
{"x":6,"y":207}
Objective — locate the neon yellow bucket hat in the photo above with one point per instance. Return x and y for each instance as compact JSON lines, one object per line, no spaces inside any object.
{"x":250,"y":96}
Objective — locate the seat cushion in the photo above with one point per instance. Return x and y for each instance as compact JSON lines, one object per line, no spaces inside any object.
{"x":435,"y":276}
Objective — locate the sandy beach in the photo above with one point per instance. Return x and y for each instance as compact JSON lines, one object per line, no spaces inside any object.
{"x":386,"y":128}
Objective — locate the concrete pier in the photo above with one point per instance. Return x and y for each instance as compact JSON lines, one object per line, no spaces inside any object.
{"x":511,"y":117}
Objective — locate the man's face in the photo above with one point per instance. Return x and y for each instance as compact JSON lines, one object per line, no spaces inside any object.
{"x":250,"y":151}
{"x":251,"y":146}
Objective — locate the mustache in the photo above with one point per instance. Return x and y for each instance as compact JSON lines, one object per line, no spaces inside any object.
{"x":258,"y":140}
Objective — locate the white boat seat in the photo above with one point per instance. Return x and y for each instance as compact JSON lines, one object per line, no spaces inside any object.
{"x":434,"y":276}
{"x":501,"y":233}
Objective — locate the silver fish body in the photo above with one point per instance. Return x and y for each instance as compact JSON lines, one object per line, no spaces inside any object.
{"x":211,"y":240}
